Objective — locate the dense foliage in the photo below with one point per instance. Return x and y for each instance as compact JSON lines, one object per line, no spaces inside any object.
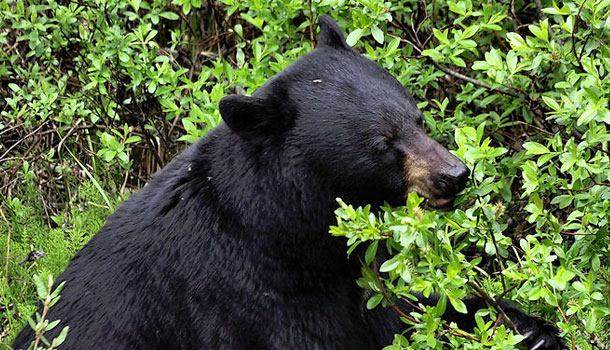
{"x":97,"y":95}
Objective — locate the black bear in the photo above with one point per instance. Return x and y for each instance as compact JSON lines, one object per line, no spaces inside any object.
{"x":228,"y":246}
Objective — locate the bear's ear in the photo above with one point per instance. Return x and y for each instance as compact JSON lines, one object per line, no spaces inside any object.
{"x":243,"y":114}
{"x":330,"y":34}
{"x":254,"y":119}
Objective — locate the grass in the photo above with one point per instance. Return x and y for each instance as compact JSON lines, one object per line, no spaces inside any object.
{"x":24,"y":227}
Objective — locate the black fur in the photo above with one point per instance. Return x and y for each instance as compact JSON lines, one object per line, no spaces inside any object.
{"x":228,"y":246}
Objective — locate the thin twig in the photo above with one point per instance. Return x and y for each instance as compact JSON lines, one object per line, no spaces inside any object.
{"x":460,"y":75}
{"x":499,"y":297}
{"x":500,"y":261}
{"x":565,"y":319}
{"x":386,"y":298}
{"x":23,"y":138}
{"x":311,"y":18}
{"x":493,"y":303}
{"x":474,"y":81}
{"x":578,"y":233}
{"x":426,"y":17}
{"x":576,"y":20}
{"x":595,"y":183}
{"x":514,"y":13}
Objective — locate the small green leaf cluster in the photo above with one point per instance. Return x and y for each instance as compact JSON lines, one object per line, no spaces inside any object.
{"x":42,"y":325}
{"x":115,"y":146}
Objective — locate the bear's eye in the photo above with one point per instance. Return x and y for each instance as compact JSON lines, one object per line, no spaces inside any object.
{"x":388,"y":139}
{"x":384,"y":143}
{"x":387,"y":148}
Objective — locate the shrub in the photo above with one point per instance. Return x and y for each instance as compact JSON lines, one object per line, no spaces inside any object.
{"x":106,"y":92}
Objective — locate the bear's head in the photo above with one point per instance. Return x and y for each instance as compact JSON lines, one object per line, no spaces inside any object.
{"x":352,"y":122}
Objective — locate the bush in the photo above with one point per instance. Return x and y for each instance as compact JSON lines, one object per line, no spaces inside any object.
{"x":101,"y":94}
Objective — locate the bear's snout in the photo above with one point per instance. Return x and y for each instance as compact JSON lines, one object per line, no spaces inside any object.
{"x":433,"y":172}
{"x":453,"y":180}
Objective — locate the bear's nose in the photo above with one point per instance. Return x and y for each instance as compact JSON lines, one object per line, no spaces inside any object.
{"x":454,"y":180}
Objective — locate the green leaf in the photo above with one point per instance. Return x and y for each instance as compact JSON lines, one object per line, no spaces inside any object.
{"x":535,"y":148}
{"x":132,"y":139}
{"x":587,"y":116}
{"x":517,"y":41}
{"x":542,"y":31}
{"x":511,"y":61}
{"x":393,"y":45}
{"x":14,"y":87}
{"x":458,"y":61}
{"x":470,"y":31}
{"x":591,"y":322}
{"x":551,"y":103}
{"x":354,"y":36}
{"x":458,"y":304}
{"x":61,"y":337}
{"x":374,"y":301}
{"x":377,"y":34}
{"x":41,"y":288}
{"x":580,"y":287}
{"x":135,"y":4}
{"x":391,"y":264}
{"x":52,"y":325}
{"x":458,"y":8}
{"x":561,"y":278}
{"x":169,"y":15}
{"x":58,"y":290}
{"x":565,"y":10}
{"x":480,"y":65}
{"x":441,"y":36}
{"x":371,"y":252}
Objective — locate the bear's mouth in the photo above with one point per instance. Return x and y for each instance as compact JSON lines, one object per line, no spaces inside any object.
{"x":433,"y":201}
{"x":442,"y":204}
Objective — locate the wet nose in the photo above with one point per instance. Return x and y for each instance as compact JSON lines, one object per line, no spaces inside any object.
{"x":454,"y":180}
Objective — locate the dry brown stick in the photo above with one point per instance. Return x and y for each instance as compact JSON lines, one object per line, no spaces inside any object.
{"x":426,"y":17}
{"x":605,"y":184}
{"x":433,"y":13}
{"x":514,"y":13}
{"x":535,"y":127}
{"x":539,"y":7}
{"x":61,"y":142}
{"x":502,"y":43}
{"x":122,"y":190}
{"x":23,"y":138}
{"x":578,"y":233}
{"x":188,"y":23}
{"x":11,"y":128}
